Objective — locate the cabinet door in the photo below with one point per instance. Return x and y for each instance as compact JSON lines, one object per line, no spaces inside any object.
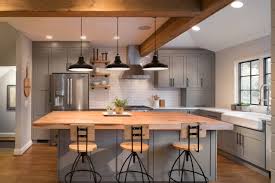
{"x":205,"y":71}
{"x":192,"y":71}
{"x":229,"y":142}
{"x":253,"y":151}
{"x":58,"y":60}
{"x":198,"y":98}
{"x":178,"y":66}
{"x":163,"y":77}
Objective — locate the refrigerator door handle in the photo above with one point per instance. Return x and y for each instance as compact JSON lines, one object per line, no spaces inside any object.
{"x":68,"y":91}
{"x":71,"y":91}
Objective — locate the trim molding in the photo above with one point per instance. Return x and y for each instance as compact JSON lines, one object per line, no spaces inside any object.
{"x":22,"y":150}
{"x":10,"y":134}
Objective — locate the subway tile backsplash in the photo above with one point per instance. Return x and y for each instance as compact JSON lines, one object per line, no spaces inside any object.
{"x":138,"y":92}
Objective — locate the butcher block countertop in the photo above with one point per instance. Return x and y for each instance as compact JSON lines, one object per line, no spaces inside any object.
{"x":156,"y":120}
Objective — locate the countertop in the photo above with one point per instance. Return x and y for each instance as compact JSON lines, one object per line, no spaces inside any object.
{"x":156,"y":120}
{"x":251,"y":120}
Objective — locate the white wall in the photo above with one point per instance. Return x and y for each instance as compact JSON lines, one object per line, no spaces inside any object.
{"x":138,"y":92}
{"x":23,"y":109}
{"x":273,"y":94}
{"x":226,"y":68}
{"x":7,"y":117}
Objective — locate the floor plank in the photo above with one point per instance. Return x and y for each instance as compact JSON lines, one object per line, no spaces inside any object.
{"x":38,"y":165}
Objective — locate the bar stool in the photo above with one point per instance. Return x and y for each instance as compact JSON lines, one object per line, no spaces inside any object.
{"x":135,"y":133}
{"x":82,"y":138}
{"x":188,"y":131}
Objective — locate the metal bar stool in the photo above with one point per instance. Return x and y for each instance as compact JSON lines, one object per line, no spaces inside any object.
{"x":82,"y":137}
{"x":188,"y":131}
{"x":135,"y":133}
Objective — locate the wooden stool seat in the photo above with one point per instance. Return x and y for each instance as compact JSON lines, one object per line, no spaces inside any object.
{"x":136,"y":146}
{"x":82,"y":147}
{"x":184,"y":146}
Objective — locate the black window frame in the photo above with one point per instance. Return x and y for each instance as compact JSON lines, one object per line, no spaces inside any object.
{"x":250,"y":77}
{"x":265,"y":78}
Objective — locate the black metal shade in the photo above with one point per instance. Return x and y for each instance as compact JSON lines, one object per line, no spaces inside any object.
{"x":81,"y":66}
{"x":117,"y":65}
{"x":155,"y":65}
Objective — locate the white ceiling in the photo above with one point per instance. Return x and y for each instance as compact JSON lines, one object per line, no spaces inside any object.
{"x":99,"y":31}
{"x":229,"y":27}
{"x":226,"y":28}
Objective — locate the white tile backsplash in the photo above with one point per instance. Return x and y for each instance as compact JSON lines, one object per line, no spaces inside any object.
{"x":138,"y":92}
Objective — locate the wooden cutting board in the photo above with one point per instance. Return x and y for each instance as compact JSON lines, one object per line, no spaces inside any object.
{"x":27,"y":84}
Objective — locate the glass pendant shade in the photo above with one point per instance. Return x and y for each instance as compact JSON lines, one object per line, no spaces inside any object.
{"x":155,"y":65}
{"x":117,"y":65}
{"x":81,"y":66}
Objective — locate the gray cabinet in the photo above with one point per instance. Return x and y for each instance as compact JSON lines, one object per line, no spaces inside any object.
{"x":246,"y":144}
{"x":192,"y":80}
{"x":174,"y":76}
{"x":205,"y":71}
{"x":58,"y":60}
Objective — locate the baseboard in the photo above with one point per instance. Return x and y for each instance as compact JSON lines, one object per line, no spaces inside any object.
{"x":22,"y":150}
{"x":11,"y":134}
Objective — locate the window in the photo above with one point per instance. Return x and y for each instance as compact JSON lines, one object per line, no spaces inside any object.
{"x":249,"y":82}
{"x":267,"y":78}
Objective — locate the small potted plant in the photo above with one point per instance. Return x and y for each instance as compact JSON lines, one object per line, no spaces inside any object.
{"x":109,"y":110}
{"x":120,"y":105}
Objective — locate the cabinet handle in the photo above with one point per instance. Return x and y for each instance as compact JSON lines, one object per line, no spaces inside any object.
{"x":170,"y":82}
{"x":237,"y":138}
{"x":187,"y":82}
{"x":201,"y":82}
{"x":242,"y":140}
{"x":173,"y":81}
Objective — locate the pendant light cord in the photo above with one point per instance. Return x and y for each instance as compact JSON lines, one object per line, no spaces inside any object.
{"x":117,"y":36}
{"x":81,"y":36}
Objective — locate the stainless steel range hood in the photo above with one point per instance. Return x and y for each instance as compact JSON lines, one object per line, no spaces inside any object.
{"x":136,"y":71}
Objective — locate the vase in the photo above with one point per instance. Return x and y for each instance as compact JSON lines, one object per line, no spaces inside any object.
{"x":119,"y":110}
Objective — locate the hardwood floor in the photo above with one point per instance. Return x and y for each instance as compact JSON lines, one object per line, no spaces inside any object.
{"x":38,"y":165}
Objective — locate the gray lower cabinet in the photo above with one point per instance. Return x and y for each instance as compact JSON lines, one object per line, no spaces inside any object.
{"x":246,"y":144}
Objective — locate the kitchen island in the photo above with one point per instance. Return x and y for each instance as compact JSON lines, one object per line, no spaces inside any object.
{"x":164,"y":130}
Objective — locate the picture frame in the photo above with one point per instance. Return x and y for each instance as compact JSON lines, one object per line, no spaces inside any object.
{"x":11,"y":97}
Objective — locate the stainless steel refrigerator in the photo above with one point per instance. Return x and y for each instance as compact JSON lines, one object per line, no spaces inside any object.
{"x":69,"y":91}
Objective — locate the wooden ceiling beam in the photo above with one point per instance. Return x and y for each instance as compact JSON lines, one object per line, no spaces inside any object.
{"x":100,"y":8}
{"x":176,"y":26}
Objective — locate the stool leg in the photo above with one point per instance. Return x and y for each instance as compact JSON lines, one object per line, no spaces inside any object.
{"x":205,"y":178}
{"x":128,"y":167}
{"x":170,"y":172}
{"x":145,"y":171}
{"x":183,"y":165}
{"x":193,"y":171}
{"x":92,"y":168}
{"x":123,"y":166}
{"x":74,"y":166}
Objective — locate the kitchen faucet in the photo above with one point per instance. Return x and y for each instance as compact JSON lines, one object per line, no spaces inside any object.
{"x":266,"y":86}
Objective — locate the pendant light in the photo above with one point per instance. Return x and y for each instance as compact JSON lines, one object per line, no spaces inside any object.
{"x":81,"y":65}
{"x":117,"y":65}
{"x":155,"y":65}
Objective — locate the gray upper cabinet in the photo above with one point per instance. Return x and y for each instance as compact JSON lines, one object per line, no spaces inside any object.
{"x":164,"y":78}
{"x":192,"y":80}
{"x":58,"y":60}
{"x":174,"y":76}
{"x":205,"y":71}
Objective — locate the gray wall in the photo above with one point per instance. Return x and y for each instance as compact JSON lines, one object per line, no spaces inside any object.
{"x":23,"y":110}
{"x":7,"y":117}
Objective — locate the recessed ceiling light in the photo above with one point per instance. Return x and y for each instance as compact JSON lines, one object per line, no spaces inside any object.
{"x":237,"y":4}
{"x":116,"y":37}
{"x":144,"y":27}
{"x":196,"y":28}
{"x":83,"y":37}
{"x":49,"y":37}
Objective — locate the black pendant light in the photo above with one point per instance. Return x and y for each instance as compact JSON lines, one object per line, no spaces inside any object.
{"x":81,"y":65}
{"x":155,"y":65}
{"x":117,"y":65}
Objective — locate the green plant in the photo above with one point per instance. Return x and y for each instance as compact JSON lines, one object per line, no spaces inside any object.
{"x":120,"y":102}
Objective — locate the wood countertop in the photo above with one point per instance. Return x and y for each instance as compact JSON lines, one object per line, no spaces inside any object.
{"x":156,"y":120}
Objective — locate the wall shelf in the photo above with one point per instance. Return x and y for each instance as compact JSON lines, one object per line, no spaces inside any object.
{"x":100,"y":87}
